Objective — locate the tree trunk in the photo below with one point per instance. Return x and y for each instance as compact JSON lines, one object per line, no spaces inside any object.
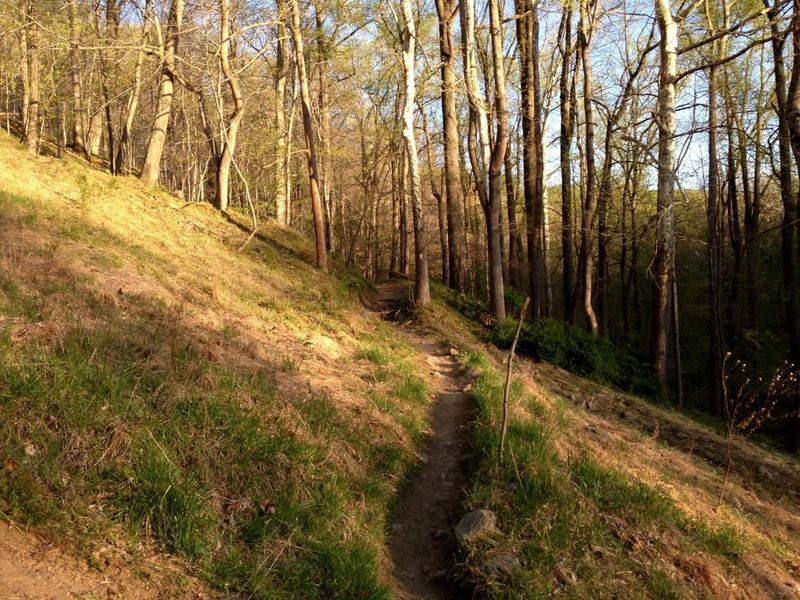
{"x":308,"y":134}
{"x":565,"y":144}
{"x":78,"y":134}
{"x":713,"y":251}
{"x":324,"y":126}
{"x":24,"y":73}
{"x":662,"y":262}
{"x":445,"y":10}
{"x":437,"y":194}
{"x":496,"y":163}
{"x":514,"y":240}
{"x":107,"y":37}
{"x":527,"y":41}
{"x":231,"y":129}
{"x":422,"y":293}
{"x":281,"y":154}
{"x":32,"y":43}
{"x":133,"y":98}
{"x":586,"y":267}
{"x":158,"y":134}
{"x":487,"y":164}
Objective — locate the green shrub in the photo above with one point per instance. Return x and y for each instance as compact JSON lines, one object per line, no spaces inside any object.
{"x":577,"y":351}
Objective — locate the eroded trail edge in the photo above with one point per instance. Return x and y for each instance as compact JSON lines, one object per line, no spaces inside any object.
{"x":422,"y":543}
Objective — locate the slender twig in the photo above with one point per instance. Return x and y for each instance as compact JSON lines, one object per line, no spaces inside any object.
{"x":504,"y":427}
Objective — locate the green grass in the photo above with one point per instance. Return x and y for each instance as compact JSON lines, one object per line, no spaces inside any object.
{"x":124,"y":422}
{"x":161,"y":449}
{"x":159,"y":433}
{"x":374,"y":354}
{"x":571,"y":514}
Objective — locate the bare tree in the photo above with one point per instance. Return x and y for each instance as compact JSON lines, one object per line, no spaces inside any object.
{"x":32,"y":57}
{"x":408,"y":39}
{"x":662,"y":262}
{"x":132,"y":105}
{"x":230,"y":127}
{"x":308,"y":133}
{"x":78,"y":135}
{"x":445,"y":9}
{"x":158,"y":134}
{"x":281,"y":143}
{"x":586,"y":267}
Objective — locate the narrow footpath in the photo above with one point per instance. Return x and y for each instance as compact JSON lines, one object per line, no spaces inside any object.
{"x":422,"y":542}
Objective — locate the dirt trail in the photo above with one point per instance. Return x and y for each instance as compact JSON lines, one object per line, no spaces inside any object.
{"x":422,"y":544}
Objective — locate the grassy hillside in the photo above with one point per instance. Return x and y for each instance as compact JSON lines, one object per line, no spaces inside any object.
{"x":240,"y":410}
{"x":165,"y":398}
{"x":606,"y":495}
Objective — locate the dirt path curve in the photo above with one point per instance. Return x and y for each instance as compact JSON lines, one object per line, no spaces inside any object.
{"x":422,"y":544}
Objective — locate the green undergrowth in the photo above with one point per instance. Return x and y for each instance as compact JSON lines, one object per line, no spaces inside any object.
{"x":178,"y":404}
{"x":577,"y":351}
{"x":561,"y":344}
{"x":581,"y":529}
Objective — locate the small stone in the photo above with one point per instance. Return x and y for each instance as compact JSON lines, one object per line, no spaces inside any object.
{"x":762,"y":470}
{"x":467,"y":388}
{"x":502,"y":563}
{"x":454,"y":352}
{"x":475,"y":525}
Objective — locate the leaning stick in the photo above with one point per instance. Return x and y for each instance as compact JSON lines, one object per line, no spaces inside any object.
{"x":504,"y":427}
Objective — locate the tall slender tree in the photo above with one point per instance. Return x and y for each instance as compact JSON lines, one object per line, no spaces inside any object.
{"x":585,"y":265}
{"x":308,"y":134}
{"x":445,"y":10}
{"x":408,"y":40}
{"x":662,"y":262}
{"x":231,"y":123}
{"x":31,"y":34}
{"x":281,"y":140}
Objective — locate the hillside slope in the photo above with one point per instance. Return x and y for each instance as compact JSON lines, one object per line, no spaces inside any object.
{"x":181,"y":419}
{"x":163,"y":394}
{"x":607,"y":495}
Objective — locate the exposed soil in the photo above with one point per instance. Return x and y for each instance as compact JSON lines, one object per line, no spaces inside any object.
{"x":422,"y":543}
{"x":34,"y":569}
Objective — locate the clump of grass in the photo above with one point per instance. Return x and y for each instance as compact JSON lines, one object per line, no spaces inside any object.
{"x":613,"y":492}
{"x":723,"y":540}
{"x":374,"y":354}
{"x":160,"y":499}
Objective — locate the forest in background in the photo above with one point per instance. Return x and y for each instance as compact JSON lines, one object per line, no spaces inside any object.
{"x":632,"y":166}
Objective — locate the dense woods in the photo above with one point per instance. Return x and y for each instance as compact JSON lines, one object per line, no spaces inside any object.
{"x":633,"y":167}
